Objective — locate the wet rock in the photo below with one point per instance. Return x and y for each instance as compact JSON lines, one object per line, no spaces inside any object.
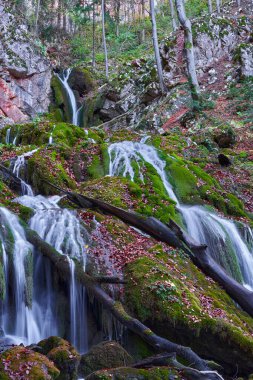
{"x":64,"y":356}
{"x":23,"y":363}
{"x":81,"y":80}
{"x":104,"y":355}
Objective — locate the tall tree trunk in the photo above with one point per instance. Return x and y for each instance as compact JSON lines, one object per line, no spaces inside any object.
{"x":104,"y":39}
{"x":37,"y":17}
{"x":191,"y":67}
{"x":93,"y":35}
{"x":117,"y":16}
{"x":218,"y":6}
{"x":143,"y":32}
{"x":156,"y":48}
{"x":210,"y":6}
{"x":172,"y":11}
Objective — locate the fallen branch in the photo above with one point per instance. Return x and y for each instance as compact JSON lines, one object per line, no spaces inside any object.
{"x":160,"y":344}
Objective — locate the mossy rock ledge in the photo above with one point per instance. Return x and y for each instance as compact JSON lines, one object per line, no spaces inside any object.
{"x":177,"y":301}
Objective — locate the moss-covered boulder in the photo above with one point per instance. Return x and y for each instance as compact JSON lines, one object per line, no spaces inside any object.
{"x":136,"y":374}
{"x":104,"y":355}
{"x":174,"y":298}
{"x":23,"y":363}
{"x":64,"y":356}
{"x":81,"y":80}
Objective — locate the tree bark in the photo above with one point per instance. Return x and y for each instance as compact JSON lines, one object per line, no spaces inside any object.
{"x":191,"y":67}
{"x":210,"y":6}
{"x":172,"y":11}
{"x":218,"y":6}
{"x":104,"y":40}
{"x":156,"y":48}
{"x":37,"y":17}
{"x":93,"y":35}
{"x":61,"y":263}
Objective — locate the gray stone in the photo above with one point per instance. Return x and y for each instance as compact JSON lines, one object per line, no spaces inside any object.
{"x":25,"y":75}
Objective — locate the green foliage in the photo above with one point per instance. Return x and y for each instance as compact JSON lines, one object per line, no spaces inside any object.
{"x":242,"y":95}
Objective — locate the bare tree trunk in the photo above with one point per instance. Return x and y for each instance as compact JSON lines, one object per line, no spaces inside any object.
{"x":172,"y":11}
{"x":93,"y":35}
{"x":156,"y":48}
{"x":37,"y":17}
{"x":117,"y":16}
{"x":142,"y":33}
{"x":191,"y":67}
{"x":104,"y":40}
{"x":218,"y":6}
{"x":210,"y":6}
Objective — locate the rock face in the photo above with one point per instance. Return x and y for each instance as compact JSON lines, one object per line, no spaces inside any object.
{"x":25,"y":74}
{"x":247,"y":60}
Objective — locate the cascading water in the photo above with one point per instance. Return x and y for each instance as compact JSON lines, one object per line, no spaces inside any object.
{"x":8,"y":136}
{"x":224,"y":241}
{"x":18,"y":319}
{"x":61,"y":229}
{"x":75,"y":111}
{"x":20,"y":164}
{"x":35,"y":315}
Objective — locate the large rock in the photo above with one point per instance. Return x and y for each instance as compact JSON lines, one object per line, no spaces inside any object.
{"x":23,"y":363}
{"x":24,"y":73}
{"x":104,"y":355}
{"x":63,"y":354}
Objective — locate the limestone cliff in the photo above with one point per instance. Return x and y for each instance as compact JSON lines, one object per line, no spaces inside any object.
{"x":24,"y":73}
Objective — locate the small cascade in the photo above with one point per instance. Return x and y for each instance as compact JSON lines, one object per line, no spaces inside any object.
{"x":19,"y":165}
{"x":225,"y":243}
{"x":51,"y":140}
{"x":8,"y":136}
{"x":75,"y":111}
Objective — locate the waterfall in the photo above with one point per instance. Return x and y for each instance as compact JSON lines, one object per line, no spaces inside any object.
{"x":18,"y":320}
{"x":75,"y":111}
{"x":61,"y":228}
{"x":31,"y":289}
{"x":8,"y":136}
{"x":225,"y":244}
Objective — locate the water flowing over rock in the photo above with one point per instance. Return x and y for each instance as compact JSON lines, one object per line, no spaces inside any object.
{"x":24,"y":73}
{"x":225,"y":244}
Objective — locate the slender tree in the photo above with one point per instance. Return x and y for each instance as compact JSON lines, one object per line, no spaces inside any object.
{"x":93,"y":33}
{"x":210,"y":6}
{"x":172,"y":11}
{"x":191,"y":67}
{"x":156,"y":48}
{"x":104,"y":40}
{"x":37,"y":16}
{"x":218,"y":6}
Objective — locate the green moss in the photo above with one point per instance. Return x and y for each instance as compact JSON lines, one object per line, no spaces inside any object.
{"x":171,"y":294}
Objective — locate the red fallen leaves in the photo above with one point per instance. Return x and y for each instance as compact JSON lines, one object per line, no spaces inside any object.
{"x":23,"y":369}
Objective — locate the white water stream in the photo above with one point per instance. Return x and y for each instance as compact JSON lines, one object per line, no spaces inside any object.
{"x":225,"y":243}
{"x":73,"y":104}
